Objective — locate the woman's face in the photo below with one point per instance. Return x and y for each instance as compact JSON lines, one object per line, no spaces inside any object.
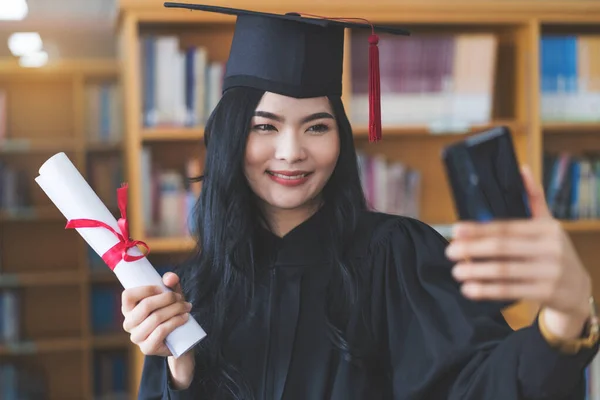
{"x":292,"y":150}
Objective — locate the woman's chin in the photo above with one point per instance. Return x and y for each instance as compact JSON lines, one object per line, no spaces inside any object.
{"x":289,"y":202}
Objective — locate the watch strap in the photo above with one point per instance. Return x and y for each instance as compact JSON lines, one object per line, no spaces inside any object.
{"x":588,"y":339}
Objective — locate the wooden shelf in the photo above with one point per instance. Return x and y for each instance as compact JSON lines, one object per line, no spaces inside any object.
{"x":167,"y":134}
{"x":387,"y":10}
{"x":96,"y":67}
{"x":110,"y":341}
{"x":362,"y":132}
{"x":44,"y":213}
{"x":40,"y":279}
{"x":28,"y":146}
{"x":41,"y":346}
{"x":43,"y":264}
{"x":585,"y":226}
{"x":106,"y":276}
{"x":103,"y":147}
{"x":571,"y":127}
{"x":170,"y":245}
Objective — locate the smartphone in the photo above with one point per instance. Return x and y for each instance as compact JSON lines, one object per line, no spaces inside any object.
{"x":484,"y":177}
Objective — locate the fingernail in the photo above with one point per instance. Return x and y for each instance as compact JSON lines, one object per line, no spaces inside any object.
{"x":468,"y":290}
{"x":186,"y":316}
{"x":457,"y":272}
{"x":451,"y":251}
{"x":188,"y":305}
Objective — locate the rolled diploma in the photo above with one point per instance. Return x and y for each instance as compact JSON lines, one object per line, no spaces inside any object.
{"x":75,"y":199}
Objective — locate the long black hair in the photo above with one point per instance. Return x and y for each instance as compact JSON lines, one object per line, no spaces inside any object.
{"x":219,"y":279}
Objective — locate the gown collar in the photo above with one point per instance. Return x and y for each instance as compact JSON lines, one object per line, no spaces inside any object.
{"x":304,"y":245}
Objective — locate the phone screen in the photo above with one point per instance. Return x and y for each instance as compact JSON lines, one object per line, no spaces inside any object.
{"x":484,"y":177}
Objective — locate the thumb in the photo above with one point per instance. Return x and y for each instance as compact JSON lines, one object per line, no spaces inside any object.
{"x":537,"y":199}
{"x":171,"y":280}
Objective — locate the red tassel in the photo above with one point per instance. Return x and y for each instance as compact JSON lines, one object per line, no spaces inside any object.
{"x":374,"y":90}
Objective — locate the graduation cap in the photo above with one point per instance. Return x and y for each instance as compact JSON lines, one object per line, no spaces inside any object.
{"x":296,"y":55}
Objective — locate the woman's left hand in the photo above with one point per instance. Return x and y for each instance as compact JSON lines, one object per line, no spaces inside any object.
{"x":531,"y":259}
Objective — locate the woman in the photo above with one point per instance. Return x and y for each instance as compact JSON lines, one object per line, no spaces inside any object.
{"x":305,"y":294}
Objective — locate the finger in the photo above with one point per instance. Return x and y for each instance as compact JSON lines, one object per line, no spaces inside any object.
{"x":499,"y":270}
{"x":478,"y":290}
{"x":171,"y":280}
{"x":132,"y":296}
{"x":145,"y":328}
{"x":535,"y":192}
{"x":505,"y":228}
{"x":157,"y":337}
{"x":149,"y":305}
{"x":492,"y":248}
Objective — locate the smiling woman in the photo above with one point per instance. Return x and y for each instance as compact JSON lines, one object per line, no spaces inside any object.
{"x":306,"y":294}
{"x":291,"y":153}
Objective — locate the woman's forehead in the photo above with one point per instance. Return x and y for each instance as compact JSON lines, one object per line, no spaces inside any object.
{"x":277,"y":103}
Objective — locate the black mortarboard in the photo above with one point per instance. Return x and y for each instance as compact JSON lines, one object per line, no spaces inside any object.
{"x":296,"y":56}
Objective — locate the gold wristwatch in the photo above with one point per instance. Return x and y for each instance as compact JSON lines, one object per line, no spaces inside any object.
{"x":588,"y":339}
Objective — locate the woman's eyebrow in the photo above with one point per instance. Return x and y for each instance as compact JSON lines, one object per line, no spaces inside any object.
{"x":269,"y":115}
{"x":308,"y":118}
{"x":319,"y":115}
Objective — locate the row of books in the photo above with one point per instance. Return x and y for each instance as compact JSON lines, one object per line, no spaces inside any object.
{"x":104,"y":112}
{"x":3,"y":114}
{"x":9,"y":316}
{"x":180,"y":85}
{"x":14,"y":190}
{"x":105,"y":306}
{"x":390,"y":187}
{"x":111,"y":375}
{"x":570,"y":77}
{"x":423,"y":80}
{"x":105,"y":174}
{"x":572,"y":185}
{"x":440,"y":80}
{"x":20,"y":383}
{"x":105,"y":312}
{"x":169,"y":196}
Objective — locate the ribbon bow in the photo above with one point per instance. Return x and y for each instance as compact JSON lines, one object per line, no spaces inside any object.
{"x":118,"y":252}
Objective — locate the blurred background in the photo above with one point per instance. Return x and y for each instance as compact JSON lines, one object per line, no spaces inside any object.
{"x":123,"y":88}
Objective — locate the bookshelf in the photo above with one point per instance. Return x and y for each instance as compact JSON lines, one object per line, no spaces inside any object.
{"x":48,"y":337}
{"x":513,"y":95}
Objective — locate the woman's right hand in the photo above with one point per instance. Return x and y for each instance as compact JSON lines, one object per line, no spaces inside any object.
{"x":151,"y":314}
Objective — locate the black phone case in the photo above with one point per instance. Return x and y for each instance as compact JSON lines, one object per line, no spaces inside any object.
{"x":484,"y":177}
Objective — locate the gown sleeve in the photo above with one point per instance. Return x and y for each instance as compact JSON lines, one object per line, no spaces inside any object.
{"x":438,"y":344}
{"x":155,"y":383}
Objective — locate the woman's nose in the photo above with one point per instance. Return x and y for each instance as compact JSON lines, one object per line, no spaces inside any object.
{"x":290,"y":147}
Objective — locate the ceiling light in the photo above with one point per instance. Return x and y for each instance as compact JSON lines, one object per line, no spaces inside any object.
{"x":22,"y":43}
{"x":34,"y":60}
{"x":13,"y":9}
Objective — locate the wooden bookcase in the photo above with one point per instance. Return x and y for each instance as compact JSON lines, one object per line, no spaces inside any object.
{"x":517,"y":24}
{"x":46,"y":265}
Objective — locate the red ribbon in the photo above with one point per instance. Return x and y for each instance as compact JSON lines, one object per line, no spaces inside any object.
{"x":118,"y":252}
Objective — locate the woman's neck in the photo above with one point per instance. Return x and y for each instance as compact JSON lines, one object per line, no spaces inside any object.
{"x":282,"y":221}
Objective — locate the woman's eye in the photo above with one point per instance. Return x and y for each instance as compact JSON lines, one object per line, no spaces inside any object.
{"x":319,"y":128}
{"x":264,"y":127}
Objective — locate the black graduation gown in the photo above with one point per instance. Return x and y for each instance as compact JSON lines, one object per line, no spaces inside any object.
{"x":424,"y":339}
